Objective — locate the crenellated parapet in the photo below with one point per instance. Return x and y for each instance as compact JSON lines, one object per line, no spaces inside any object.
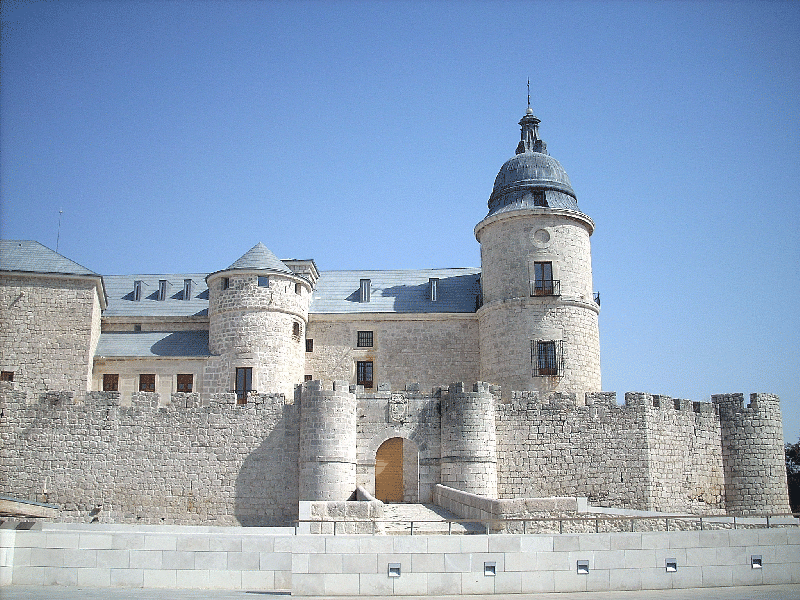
{"x":752,"y":453}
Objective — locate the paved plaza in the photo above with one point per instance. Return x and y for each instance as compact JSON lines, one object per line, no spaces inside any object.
{"x":27,"y":592}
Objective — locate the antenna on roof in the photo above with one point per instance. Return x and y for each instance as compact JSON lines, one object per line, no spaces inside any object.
{"x":529,"y":93}
{"x":58,"y":236}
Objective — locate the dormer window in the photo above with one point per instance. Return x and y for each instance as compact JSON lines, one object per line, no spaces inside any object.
{"x":363,"y":293}
{"x":539,"y":198}
{"x":187,"y":289}
{"x":433,"y":283}
{"x":137,"y":291}
{"x":163,"y":286}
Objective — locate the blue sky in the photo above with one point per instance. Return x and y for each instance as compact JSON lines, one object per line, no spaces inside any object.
{"x":176,"y":135}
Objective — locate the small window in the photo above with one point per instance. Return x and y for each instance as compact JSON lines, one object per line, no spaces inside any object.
{"x":364,"y":339}
{"x":263,"y":281}
{"x":297,"y":331}
{"x":244,"y":383}
{"x":147,"y":382}
{"x":110,"y":382}
{"x":6,"y":375}
{"x":364,"y":373}
{"x":137,"y":290}
{"x":185,"y":382}
{"x":162,"y":289}
{"x":308,"y":378}
{"x":539,"y":198}
{"x":298,"y":288}
{"x":137,"y":327}
{"x":434,"y":288}
{"x":187,"y":289}
{"x":364,"y":289}
{"x":547,"y":358}
{"x":309,"y":345}
{"x":226,"y":283}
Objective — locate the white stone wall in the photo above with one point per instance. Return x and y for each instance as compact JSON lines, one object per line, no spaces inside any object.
{"x":49,"y":327}
{"x":430,"y":349}
{"x":176,"y":463}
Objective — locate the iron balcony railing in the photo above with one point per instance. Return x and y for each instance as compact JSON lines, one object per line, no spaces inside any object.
{"x":549,"y":287}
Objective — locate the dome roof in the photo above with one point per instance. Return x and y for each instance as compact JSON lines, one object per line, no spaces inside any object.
{"x":532,"y":178}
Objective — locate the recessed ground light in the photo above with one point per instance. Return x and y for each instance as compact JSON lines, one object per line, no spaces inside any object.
{"x":490,"y":569}
{"x":755,"y":561}
{"x":394,"y":569}
{"x":672,"y":565}
{"x":583,"y":567}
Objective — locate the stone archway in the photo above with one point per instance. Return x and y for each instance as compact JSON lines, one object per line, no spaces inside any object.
{"x":397,"y":471}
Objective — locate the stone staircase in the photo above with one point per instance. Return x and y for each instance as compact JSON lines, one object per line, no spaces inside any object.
{"x":398,"y":519}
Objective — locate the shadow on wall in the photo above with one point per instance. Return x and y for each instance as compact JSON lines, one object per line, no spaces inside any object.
{"x":267,"y":486}
{"x":453,"y":294}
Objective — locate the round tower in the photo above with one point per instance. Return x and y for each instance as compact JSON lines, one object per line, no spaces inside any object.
{"x":327,"y":442}
{"x":538,"y":324}
{"x":469,"y":440}
{"x":258,"y":312}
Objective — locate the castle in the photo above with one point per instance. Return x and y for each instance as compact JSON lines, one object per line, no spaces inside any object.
{"x":228,"y":397}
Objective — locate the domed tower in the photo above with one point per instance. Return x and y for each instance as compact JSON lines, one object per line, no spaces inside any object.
{"x":258,"y":312}
{"x":538,"y":322}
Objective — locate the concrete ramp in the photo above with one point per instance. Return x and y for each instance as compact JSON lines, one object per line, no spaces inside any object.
{"x":398,"y":519}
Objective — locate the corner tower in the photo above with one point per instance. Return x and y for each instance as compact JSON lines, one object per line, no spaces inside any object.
{"x":258,"y":312}
{"x":538,"y":323}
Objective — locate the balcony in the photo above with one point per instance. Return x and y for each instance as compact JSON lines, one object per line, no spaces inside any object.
{"x":549,"y":287}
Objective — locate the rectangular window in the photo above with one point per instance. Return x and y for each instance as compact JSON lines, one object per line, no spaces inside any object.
{"x":162,"y":289}
{"x":363,"y":290}
{"x":147,"y":382}
{"x":309,"y":345}
{"x":547,"y":358}
{"x":226,"y":283}
{"x":308,"y":377}
{"x":187,"y":289}
{"x":244,"y":383}
{"x":539,"y":198}
{"x":137,"y":290}
{"x":185,"y":382}
{"x":544,"y":284}
{"x":263,"y":281}
{"x":6,"y":375}
{"x":434,"y":291}
{"x":298,"y":289}
{"x":364,"y":373}
{"x":297,"y":331}
{"x":364,"y":339}
{"x":110,"y":382}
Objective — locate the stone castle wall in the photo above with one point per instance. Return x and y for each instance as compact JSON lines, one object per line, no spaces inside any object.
{"x":218,"y":464}
{"x":207,"y":460}
{"x":49,"y":327}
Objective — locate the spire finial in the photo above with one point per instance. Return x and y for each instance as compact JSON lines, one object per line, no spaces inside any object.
{"x":529,"y":111}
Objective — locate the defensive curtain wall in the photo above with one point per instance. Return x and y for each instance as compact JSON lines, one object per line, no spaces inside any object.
{"x":210,"y":461}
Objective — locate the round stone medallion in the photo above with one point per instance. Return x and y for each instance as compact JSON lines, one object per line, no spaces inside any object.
{"x":541,"y":238}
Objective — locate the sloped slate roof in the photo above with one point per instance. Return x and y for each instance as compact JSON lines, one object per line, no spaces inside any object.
{"x":259,"y":257}
{"x":149,"y":344}
{"x":32,"y":257}
{"x":121,"y":303}
{"x":402,"y":291}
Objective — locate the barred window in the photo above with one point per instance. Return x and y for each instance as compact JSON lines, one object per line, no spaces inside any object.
{"x":185,"y":382}
{"x":147,"y":382}
{"x":364,"y":339}
{"x":364,"y":373}
{"x":547,"y":358}
{"x":110,"y":382}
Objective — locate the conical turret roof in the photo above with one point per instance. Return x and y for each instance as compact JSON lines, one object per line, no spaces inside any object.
{"x":259,"y":258}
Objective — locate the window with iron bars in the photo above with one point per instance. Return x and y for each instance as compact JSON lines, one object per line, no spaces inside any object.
{"x":364,"y":339}
{"x":547,"y":358}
